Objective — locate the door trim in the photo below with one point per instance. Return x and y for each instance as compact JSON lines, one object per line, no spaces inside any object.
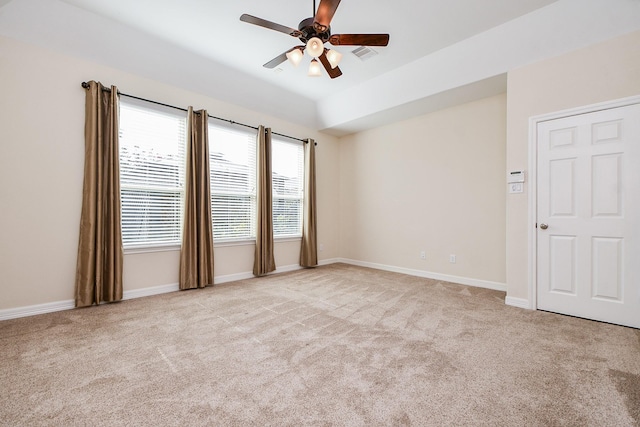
{"x":532,"y":265}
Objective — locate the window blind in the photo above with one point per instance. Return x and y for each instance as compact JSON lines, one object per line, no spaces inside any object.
{"x":232,"y":162}
{"x":152,"y":168}
{"x":287,"y":182}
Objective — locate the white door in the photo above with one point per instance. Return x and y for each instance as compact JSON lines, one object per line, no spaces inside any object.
{"x":588,"y":215}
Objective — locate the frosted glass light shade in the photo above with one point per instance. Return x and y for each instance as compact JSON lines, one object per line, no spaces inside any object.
{"x":334,"y":57}
{"x":314,"y":68}
{"x":295,"y":56}
{"x":315,"y":47}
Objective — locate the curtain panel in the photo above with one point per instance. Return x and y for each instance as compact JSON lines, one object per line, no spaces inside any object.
{"x":264,"y":261}
{"x":100,"y":252}
{"x":308,"y":245}
{"x":196,"y":254}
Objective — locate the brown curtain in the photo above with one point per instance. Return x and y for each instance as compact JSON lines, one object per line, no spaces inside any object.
{"x":100,"y":254}
{"x":264,"y":261}
{"x":196,"y":255}
{"x":308,"y":246}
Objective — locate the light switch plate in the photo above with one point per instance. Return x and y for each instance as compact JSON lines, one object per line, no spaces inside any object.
{"x":517,"y":187}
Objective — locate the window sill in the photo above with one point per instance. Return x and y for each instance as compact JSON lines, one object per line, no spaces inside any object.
{"x":285,"y":239}
{"x":251,"y":242}
{"x":148,"y":249}
{"x":224,"y":243}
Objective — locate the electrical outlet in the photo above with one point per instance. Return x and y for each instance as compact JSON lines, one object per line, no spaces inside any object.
{"x":452,"y":259}
{"x":423,"y":255}
{"x":321,"y":247}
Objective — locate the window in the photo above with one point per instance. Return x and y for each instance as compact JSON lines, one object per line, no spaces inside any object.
{"x":152,"y":179}
{"x":232,"y":162}
{"x":152,"y":163}
{"x":287,"y":183}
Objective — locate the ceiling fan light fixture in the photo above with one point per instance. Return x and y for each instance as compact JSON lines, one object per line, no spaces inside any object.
{"x":314,"y":68}
{"x":334,"y":57}
{"x":295,"y":56}
{"x":315,"y":47}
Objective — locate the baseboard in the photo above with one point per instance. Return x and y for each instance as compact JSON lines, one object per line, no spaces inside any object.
{"x":329,"y":261}
{"x":249,"y":275}
{"x":232,"y":277}
{"x":32,"y":310}
{"x":216,"y":280}
{"x":50,"y":307}
{"x":478,"y":283}
{"x":147,"y":292}
{"x":287,"y":268}
{"x":518,"y":302}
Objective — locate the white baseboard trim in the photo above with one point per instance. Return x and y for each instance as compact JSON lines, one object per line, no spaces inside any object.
{"x":147,"y":292}
{"x":32,"y":310}
{"x":50,"y":307}
{"x":329,"y":261}
{"x":518,"y":302}
{"x":478,"y":283}
{"x":217,"y":280}
{"x":287,"y":268}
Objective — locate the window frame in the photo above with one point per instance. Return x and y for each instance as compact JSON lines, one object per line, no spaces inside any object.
{"x":175,"y":243}
{"x":246,"y":239}
{"x":299,"y":197}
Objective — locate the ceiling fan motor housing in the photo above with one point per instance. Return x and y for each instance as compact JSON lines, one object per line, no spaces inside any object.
{"x":308,"y":31}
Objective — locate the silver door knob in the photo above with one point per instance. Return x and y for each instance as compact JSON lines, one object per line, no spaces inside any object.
{"x":544,"y":226}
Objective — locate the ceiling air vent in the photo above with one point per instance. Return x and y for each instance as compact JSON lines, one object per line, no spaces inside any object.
{"x":364,"y":53}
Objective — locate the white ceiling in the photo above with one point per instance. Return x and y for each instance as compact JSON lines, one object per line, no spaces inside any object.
{"x":213,"y":29}
{"x":440,"y":52}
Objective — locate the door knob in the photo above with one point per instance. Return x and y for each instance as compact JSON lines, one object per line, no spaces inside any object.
{"x":544,"y":226}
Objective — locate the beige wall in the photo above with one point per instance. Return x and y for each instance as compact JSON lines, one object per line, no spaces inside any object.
{"x":434,"y":183}
{"x":41,"y":168}
{"x":601,"y":72}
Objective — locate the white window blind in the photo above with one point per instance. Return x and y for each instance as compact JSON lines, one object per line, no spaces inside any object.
{"x":152,"y":164}
{"x":287,"y":182}
{"x":232,"y":162}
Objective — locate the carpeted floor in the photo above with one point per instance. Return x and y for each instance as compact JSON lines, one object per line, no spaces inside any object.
{"x":337,"y":345}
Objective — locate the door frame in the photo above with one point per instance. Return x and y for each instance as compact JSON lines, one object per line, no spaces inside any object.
{"x":532,"y":219}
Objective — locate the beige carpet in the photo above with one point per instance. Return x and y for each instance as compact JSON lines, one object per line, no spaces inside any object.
{"x":336,"y":345}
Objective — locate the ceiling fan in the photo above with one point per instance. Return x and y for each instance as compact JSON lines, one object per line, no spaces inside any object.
{"x":314,"y":33}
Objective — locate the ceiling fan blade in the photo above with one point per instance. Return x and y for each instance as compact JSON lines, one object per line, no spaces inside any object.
{"x":324,"y":15}
{"x":281,"y":58}
{"x":359,"y":39}
{"x":276,"y":61}
{"x":270,"y":25}
{"x":333,"y":72}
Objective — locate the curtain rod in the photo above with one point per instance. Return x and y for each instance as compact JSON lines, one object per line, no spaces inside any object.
{"x":86,"y":86}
